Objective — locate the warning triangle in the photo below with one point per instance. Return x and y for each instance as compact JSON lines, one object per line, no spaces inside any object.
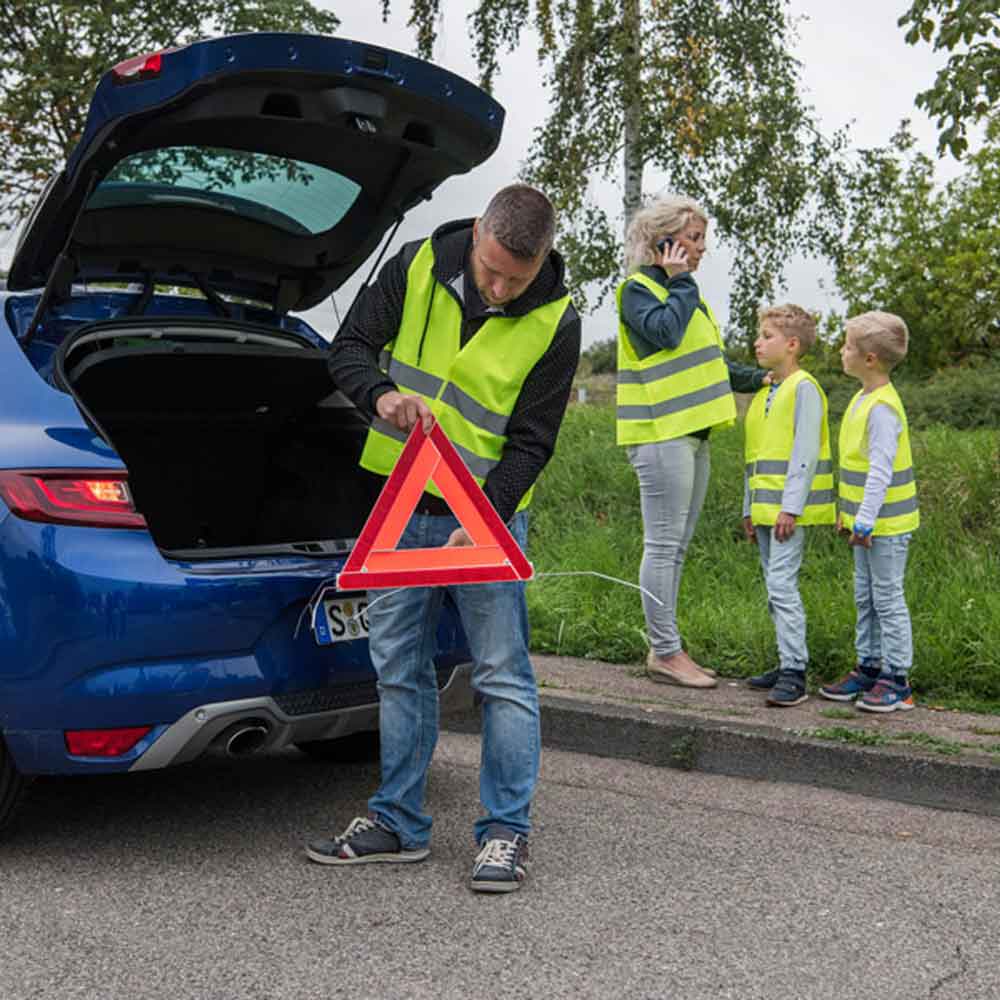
{"x":376,"y":564}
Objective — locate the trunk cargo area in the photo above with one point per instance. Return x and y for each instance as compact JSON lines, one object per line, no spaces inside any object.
{"x":229,"y":446}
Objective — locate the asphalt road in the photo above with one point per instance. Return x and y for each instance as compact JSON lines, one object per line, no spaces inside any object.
{"x":646,"y":882}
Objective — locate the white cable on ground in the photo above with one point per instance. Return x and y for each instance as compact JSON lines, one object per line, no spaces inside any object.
{"x":312,"y":606}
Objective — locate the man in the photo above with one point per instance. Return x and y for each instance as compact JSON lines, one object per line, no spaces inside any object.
{"x":479,"y":333}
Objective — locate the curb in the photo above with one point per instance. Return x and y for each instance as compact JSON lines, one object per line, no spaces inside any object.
{"x":694,"y":743}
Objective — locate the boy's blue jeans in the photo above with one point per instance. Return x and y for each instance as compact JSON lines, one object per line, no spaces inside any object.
{"x":781,"y":562}
{"x":883,"y":632}
{"x":403,"y":643}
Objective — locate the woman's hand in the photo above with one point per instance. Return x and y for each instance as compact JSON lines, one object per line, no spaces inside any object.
{"x":674,"y":259}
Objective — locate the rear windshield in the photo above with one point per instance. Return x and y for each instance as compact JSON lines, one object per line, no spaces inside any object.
{"x":292,"y":195}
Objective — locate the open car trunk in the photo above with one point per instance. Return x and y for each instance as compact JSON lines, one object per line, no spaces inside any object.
{"x":235,"y":439}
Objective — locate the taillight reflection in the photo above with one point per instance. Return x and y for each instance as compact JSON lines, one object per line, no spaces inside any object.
{"x":97,"y":499}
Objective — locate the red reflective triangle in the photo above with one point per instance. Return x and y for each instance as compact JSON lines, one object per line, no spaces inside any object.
{"x":376,"y":564}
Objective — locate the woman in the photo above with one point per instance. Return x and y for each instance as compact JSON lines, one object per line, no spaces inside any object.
{"x":674,"y":386}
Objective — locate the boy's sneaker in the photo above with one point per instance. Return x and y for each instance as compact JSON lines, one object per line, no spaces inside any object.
{"x":764,"y":681}
{"x":887,"y":696}
{"x":363,"y":842}
{"x":502,"y":862}
{"x":789,"y":689}
{"x":849,"y":687}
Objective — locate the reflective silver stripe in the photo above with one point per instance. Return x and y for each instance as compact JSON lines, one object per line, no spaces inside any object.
{"x":769,"y":467}
{"x":766,"y":496}
{"x":645,"y":375}
{"x":900,"y":478}
{"x":907,"y":506}
{"x":475,"y":412}
{"x":675,"y":405}
{"x":817,"y":497}
{"x":477,"y":466}
{"x":414,"y":378}
{"x":389,"y":430}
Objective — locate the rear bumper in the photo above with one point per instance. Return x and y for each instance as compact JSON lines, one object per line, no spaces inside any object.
{"x":208,"y":726}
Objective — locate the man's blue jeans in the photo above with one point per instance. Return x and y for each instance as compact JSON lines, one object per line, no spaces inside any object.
{"x":403,"y":642}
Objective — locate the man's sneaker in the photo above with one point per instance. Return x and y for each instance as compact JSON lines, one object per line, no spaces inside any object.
{"x":764,"y":681}
{"x":887,"y":696}
{"x":363,"y":842}
{"x":789,"y":689}
{"x":502,"y":862}
{"x":849,"y":687}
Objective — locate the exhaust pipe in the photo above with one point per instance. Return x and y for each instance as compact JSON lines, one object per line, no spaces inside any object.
{"x":244,"y":738}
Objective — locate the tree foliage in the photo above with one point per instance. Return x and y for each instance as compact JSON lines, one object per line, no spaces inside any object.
{"x":53,"y":52}
{"x":929,"y":253}
{"x":968,"y":87}
{"x":703,"y":91}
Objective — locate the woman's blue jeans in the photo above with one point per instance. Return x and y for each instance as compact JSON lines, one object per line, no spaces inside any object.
{"x":403,"y":642}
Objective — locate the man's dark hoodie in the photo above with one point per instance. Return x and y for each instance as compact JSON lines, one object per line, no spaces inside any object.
{"x":534,"y":424}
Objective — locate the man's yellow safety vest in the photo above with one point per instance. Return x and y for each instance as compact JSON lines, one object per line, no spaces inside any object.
{"x":899,"y":512}
{"x":471,"y":390}
{"x":770,"y":437}
{"x":671,"y":393}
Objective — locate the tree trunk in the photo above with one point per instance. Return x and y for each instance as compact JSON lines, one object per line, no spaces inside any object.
{"x":632,"y":91}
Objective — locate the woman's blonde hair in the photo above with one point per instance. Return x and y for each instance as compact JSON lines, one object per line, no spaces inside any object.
{"x":665,"y":216}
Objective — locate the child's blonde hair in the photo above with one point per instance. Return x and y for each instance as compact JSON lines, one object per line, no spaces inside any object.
{"x":883,"y":334}
{"x":791,"y":321}
{"x":666,"y":216}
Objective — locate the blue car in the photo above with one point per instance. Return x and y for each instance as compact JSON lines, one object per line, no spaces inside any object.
{"x":178,"y":473}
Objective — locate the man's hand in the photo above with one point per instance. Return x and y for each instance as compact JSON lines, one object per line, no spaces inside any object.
{"x":404,"y":411}
{"x":749,"y":531}
{"x":457,"y":538}
{"x":784,"y":526}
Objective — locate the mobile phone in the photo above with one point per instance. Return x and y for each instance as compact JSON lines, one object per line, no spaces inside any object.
{"x":665,"y":243}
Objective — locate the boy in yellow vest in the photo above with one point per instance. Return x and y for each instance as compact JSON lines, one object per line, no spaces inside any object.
{"x":878,"y":512}
{"x":788,"y":485}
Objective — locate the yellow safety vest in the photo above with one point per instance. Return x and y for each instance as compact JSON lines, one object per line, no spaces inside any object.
{"x":671,"y":393}
{"x":471,"y":390}
{"x":769,"y":440}
{"x":899,"y":512}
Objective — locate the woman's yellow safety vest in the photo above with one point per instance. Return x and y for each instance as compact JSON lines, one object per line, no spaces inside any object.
{"x":671,"y":393}
{"x":899,"y":512}
{"x":471,"y":390}
{"x":770,"y":437}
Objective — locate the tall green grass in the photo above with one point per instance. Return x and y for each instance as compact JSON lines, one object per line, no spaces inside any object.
{"x":585,"y":516}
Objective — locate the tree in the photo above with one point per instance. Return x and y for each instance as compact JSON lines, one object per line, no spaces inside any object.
{"x":967,"y":89}
{"x":53,"y":52}
{"x":704,"y":91}
{"x":928,"y":253}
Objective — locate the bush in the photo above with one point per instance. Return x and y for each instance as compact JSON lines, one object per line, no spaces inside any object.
{"x":602,"y":356}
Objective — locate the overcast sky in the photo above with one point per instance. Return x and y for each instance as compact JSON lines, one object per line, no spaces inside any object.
{"x":856,"y":69}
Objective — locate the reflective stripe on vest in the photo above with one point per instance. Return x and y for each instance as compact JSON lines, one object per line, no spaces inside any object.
{"x":471,"y":390}
{"x":770,"y":438}
{"x":672,"y":392}
{"x":900,"y":511}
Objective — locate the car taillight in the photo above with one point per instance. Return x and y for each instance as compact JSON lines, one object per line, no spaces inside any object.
{"x":97,"y":498}
{"x":104,"y":742}
{"x":140,"y":67}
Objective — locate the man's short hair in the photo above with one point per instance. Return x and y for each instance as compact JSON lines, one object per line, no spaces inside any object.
{"x":791,"y":321}
{"x":521,"y":219}
{"x":883,"y":334}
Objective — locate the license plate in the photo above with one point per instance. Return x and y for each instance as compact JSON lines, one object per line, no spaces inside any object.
{"x":341,"y":619}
